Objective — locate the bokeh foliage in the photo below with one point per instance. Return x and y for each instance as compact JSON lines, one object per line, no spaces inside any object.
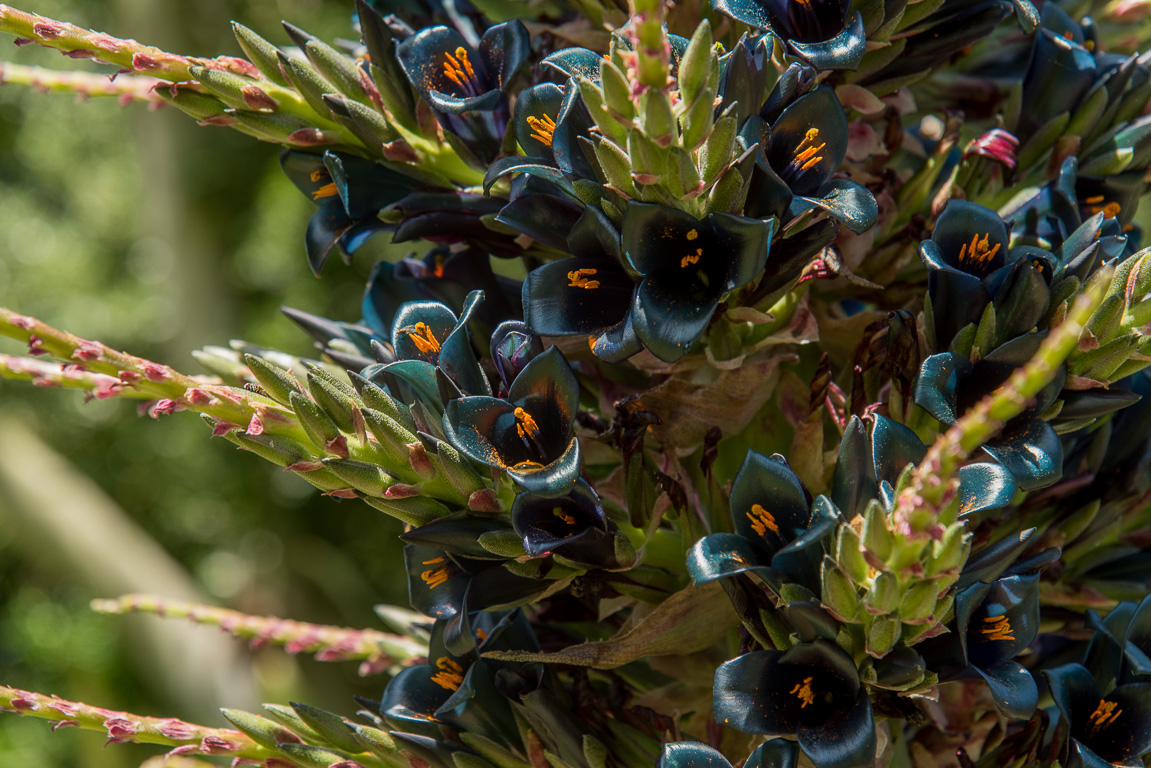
{"x":162,"y":237}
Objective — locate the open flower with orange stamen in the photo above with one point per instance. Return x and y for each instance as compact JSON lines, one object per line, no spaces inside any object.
{"x":529,"y":435}
{"x":778,"y":531}
{"x":463,"y":85}
{"x":811,"y":691}
{"x":994,"y":623}
{"x":1104,"y":728}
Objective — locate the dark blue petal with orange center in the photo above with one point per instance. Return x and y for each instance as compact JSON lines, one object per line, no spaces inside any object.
{"x":846,"y":741}
{"x":984,"y":486}
{"x":573,"y":526}
{"x":844,"y":51}
{"x":769,"y":504}
{"x":690,"y":754}
{"x":553,"y":479}
{"x":1012,"y":687}
{"x":720,"y":555}
{"x":667,"y":322}
{"x":534,"y":121}
{"x":543,"y":217}
{"x":809,"y":141}
{"x":419,"y":330}
{"x":436,"y":584}
{"x":848,"y":202}
{"x":970,"y":238}
{"x":1031,"y":450}
{"x":577,"y":296}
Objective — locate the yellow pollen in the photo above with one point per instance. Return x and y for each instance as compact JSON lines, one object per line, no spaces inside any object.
{"x":450,"y":675}
{"x":804,"y":693}
{"x":691,"y":258}
{"x":457,"y":68}
{"x":998,"y":628}
{"x":1094,"y":200}
{"x":481,"y":635}
{"x":1104,"y":714}
{"x":321,"y":174}
{"x":807,"y":152}
{"x":526,"y":426}
{"x":328,"y":190}
{"x":543,"y":128}
{"x":762,"y":521}
{"x":1068,"y":36}
{"x":568,"y":519}
{"x":434,"y":561}
{"x":578,"y":278}
{"x":439,"y":269}
{"x":978,"y":251}
{"x":422,"y":336}
{"x":435,"y":576}
{"x":692,"y":234}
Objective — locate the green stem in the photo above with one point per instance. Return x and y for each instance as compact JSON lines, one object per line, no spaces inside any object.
{"x":378,"y":650}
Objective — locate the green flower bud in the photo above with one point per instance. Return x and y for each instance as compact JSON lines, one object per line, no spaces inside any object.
{"x":883,"y":634}
{"x":849,"y":555}
{"x":838,"y":592}
{"x":885,"y":594}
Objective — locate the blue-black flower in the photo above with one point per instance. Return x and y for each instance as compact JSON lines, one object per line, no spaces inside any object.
{"x":590,"y":294}
{"x":818,"y":31}
{"x":426,"y":336}
{"x":530,"y":434}
{"x":465,"y":86}
{"x":572,"y":526}
{"x":811,"y":691}
{"x":688,"y":266}
{"x":1104,"y":729}
{"x":778,"y":530}
{"x":994,"y":623}
{"x":950,"y":384}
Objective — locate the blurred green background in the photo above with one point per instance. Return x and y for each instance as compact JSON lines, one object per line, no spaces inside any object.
{"x":158,"y":237}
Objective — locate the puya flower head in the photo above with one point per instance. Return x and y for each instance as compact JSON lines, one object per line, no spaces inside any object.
{"x":820,"y":32}
{"x":994,"y":622}
{"x":464,"y":86}
{"x":573,"y":527}
{"x":590,"y":294}
{"x":811,"y":691}
{"x":802,"y":142}
{"x":530,"y":434}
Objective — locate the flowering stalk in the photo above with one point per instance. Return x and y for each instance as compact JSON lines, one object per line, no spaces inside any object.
{"x":41,"y":373}
{"x":379,"y":651}
{"x":187,"y":738}
{"x":126,"y":89}
{"x":79,"y":43}
{"x":988,"y":416}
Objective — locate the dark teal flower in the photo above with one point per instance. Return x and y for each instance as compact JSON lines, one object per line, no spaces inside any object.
{"x":950,"y":384}
{"x":688,"y":266}
{"x":811,"y":691}
{"x":460,"y":589}
{"x":530,"y":434}
{"x":350,"y":193}
{"x":799,"y":153}
{"x":778,"y":531}
{"x":427,"y":336}
{"x":1102,"y":729}
{"x":572,"y":526}
{"x":590,"y":294}
{"x":463,"y":86}
{"x":774,"y":753}
{"x":1121,"y":648}
{"x":459,"y":690}
{"x":818,"y":31}
{"x":1061,"y":72}
{"x":994,"y":623}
